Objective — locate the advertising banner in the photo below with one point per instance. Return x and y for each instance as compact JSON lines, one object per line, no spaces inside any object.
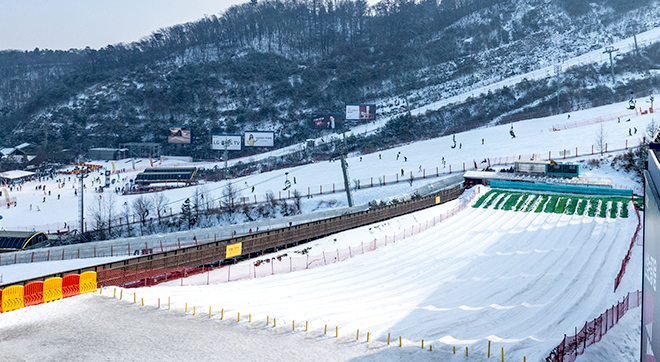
{"x":361,"y":112}
{"x":180,"y":135}
{"x":233,"y":250}
{"x":327,"y":120}
{"x":259,"y":138}
{"x":232,"y":141}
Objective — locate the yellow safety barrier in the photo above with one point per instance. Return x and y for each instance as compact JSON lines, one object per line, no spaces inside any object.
{"x":12,"y":298}
{"x":87,"y":282}
{"x":52,"y":289}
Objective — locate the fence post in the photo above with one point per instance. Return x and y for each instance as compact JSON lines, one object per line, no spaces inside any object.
{"x":576,"y":152}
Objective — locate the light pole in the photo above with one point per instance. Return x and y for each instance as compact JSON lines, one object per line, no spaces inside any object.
{"x":558,"y":73}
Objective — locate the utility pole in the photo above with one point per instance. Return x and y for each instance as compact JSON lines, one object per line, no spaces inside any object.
{"x":610,"y":50}
{"x":81,"y":203}
{"x":558,"y":73}
{"x":344,"y":169}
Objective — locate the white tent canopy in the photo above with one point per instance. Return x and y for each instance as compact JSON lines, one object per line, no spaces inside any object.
{"x":15,"y":174}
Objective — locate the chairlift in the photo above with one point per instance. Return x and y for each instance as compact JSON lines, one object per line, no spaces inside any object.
{"x":287,"y":183}
{"x":631,"y":104}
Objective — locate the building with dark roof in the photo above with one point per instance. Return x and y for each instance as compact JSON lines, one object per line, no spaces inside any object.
{"x":21,"y":240}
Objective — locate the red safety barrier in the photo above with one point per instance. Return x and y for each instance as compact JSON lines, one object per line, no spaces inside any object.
{"x":626,"y":259}
{"x":593,"y":331}
{"x":33,"y":293}
{"x":70,"y":285}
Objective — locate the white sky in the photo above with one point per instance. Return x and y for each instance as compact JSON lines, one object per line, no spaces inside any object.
{"x":65,"y":24}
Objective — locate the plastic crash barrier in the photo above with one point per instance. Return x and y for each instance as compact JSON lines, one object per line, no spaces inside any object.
{"x":12,"y":298}
{"x":33,"y":293}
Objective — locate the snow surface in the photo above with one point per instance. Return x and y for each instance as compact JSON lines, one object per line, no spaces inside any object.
{"x":521,"y":280}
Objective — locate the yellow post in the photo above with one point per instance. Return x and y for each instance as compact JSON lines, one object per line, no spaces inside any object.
{"x":422,"y":344}
{"x":358,"y":335}
{"x":388,"y":338}
{"x":239,"y":316}
{"x":466,"y":351}
{"x":502,"y":354}
{"x":488,"y":349}
{"x":293,"y":326}
{"x":306,"y":325}
{"x":222,"y":314}
{"x":267,"y":320}
{"x":134,"y":298}
{"x":142,"y":301}
{"x":168,"y":303}
{"x":431,"y":347}
{"x":326,"y":329}
{"x":367,"y":336}
{"x":524,"y":358}
{"x":186,"y":307}
{"x":101,"y":290}
{"x":250,"y":318}
{"x":121,"y":294}
{"x":158,"y":303}
{"x":194,"y":310}
{"x":115,"y":295}
{"x":336,"y":332}
{"x":274,"y":322}
{"x":209,"y":312}
{"x":400,"y":341}
{"x":454,"y":349}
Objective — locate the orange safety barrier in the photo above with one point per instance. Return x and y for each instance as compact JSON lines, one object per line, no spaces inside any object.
{"x":33,"y":293}
{"x":12,"y":298}
{"x":87,"y":282}
{"x":70,"y":285}
{"x":52,"y":289}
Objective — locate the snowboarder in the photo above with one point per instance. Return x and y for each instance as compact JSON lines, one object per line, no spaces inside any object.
{"x":294,"y":179}
{"x":30,"y":207}
{"x":379,"y":156}
{"x":360,"y":161}
{"x":58,"y":196}
{"x":629,"y":132}
{"x":405,"y":159}
{"x":513,"y":135}
{"x":460,"y":145}
{"x":397,"y":156}
{"x":401,"y":172}
{"x":44,"y":199}
{"x":482,"y":141}
{"x":420,"y":168}
{"x":618,"y":120}
{"x":633,"y":127}
{"x":252,"y":189}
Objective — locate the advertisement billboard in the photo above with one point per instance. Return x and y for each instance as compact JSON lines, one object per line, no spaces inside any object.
{"x":231,"y":141}
{"x":259,"y":138}
{"x":180,"y":135}
{"x":361,"y":112}
{"x":327,"y":120}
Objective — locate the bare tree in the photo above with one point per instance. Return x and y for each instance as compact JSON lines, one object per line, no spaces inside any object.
{"x":99,"y":216}
{"x":160,"y":202}
{"x":110,"y":203}
{"x":141,"y":207}
{"x":600,"y":139}
{"x":651,"y":130}
{"x":229,"y":198}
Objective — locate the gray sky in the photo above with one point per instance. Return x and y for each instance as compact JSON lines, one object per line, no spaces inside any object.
{"x":65,"y":24}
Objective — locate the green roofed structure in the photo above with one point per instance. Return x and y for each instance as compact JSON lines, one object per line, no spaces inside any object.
{"x":21,"y":240}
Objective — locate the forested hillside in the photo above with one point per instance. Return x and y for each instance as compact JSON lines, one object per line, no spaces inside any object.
{"x":269,"y":64}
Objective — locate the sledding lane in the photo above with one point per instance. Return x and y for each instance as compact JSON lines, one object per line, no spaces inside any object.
{"x":481,"y":274}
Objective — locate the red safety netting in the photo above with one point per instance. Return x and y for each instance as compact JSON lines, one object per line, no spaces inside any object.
{"x":593,"y":331}
{"x":626,"y":259}
{"x":263,"y":268}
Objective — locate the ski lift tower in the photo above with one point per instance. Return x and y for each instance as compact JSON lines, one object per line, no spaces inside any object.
{"x":610,"y":50}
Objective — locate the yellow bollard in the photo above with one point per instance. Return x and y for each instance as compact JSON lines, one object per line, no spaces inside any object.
{"x":121,"y":294}
{"x":336,"y":332}
{"x":524,"y":358}
{"x":326,"y":329}
{"x":400,"y":342}
{"x":388,"y":338}
{"x":115,"y":296}
{"x":274,"y":322}
{"x":454,"y":349}
{"x":101,"y":290}
{"x":367,"y":336}
{"x":250,"y":318}
{"x":209,"y":312}
{"x":293,"y":326}
{"x":267,"y":320}
{"x":222,"y":314}
{"x":488,"y":349}
{"x":239,"y":316}
{"x":306,"y":325}
{"x":422,"y":344}
{"x":134,"y":298}
{"x":466,"y":351}
{"x":431,"y":348}
{"x":194,"y":310}
{"x":502,"y":354}
{"x":358,"y":335}
{"x":168,"y":303}
{"x":142,"y":302}
{"x":158,"y":303}
{"x":186,"y":307}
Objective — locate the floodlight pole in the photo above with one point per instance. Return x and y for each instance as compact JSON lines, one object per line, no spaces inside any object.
{"x":81,"y":176}
{"x":610,"y":50}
